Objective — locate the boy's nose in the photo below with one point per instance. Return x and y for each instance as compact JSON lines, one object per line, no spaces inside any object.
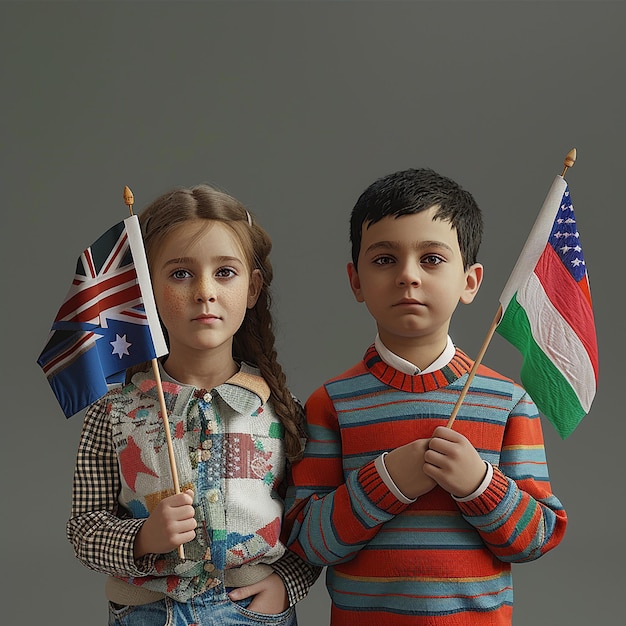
{"x":408,"y":275}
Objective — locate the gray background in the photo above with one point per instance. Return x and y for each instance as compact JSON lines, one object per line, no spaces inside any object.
{"x":295,"y":108}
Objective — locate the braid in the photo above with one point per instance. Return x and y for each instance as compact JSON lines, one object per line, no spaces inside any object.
{"x":255,"y":343}
{"x":288,"y":410}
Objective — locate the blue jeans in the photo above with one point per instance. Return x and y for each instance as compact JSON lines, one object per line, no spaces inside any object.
{"x":208,"y":609}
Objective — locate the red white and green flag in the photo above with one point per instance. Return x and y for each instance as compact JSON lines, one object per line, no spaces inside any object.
{"x":548,"y":315}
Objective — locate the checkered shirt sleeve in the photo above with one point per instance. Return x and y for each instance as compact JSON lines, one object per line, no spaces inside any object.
{"x":102,"y":539}
{"x":298,"y":576}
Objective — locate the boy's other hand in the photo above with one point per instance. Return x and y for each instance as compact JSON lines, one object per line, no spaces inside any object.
{"x":452,"y":461}
{"x":405,"y":465}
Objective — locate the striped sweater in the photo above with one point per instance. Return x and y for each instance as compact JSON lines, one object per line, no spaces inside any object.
{"x":436,"y":561}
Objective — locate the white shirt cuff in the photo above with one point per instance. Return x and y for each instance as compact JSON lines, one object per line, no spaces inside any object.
{"x":379,"y":463}
{"x":481,"y":488}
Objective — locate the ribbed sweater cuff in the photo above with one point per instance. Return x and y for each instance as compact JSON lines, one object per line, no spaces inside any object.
{"x":377,"y":491}
{"x":487,"y":501}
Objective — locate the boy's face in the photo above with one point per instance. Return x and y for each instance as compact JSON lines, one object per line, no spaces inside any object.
{"x":411,"y":278}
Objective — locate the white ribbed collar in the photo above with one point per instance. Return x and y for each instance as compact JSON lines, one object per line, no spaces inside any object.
{"x":406,"y":367}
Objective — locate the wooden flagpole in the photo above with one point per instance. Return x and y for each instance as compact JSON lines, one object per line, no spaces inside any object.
{"x":129,"y":200}
{"x":477,"y":362}
{"x":569,"y":161}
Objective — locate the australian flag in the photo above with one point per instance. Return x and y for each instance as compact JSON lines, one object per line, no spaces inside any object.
{"x":107,"y":323}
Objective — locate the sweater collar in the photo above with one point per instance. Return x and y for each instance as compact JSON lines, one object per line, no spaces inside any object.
{"x":458,"y":365}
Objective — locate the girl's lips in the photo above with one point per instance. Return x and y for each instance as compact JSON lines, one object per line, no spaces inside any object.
{"x":206,"y":318}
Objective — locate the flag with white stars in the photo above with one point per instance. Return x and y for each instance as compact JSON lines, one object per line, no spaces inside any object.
{"x":107,"y":322}
{"x":548,"y":315}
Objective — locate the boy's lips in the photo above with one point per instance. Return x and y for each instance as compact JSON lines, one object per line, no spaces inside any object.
{"x":409,"y":301}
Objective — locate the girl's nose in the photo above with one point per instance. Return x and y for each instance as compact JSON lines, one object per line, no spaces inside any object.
{"x":205,"y":291}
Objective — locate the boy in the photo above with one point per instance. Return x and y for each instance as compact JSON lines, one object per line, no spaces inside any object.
{"x":418,"y":523}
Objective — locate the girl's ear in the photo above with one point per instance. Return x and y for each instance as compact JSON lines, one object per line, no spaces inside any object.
{"x":355,"y":282}
{"x":254,"y":288}
{"x":473,"y":279}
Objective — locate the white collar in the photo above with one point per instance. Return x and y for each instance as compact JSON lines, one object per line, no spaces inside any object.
{"x":406,"y":367}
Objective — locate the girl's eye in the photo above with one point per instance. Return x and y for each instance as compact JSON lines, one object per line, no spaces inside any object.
{"x":180,"y":274}
{"x":383,"y":260}
{"x":225,"y":272}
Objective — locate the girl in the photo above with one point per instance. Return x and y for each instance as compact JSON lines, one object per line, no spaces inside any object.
{"x":234,"y":426}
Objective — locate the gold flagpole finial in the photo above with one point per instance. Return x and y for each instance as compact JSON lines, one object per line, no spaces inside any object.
{"x":569,"y":161}
{"x":129,"y":199}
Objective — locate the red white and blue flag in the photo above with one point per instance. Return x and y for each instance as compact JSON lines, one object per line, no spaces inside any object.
{"x":107,"y":323}
{"x":548,"y":315}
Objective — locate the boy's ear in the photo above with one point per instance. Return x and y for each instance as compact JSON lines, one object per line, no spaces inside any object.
{"x":355,"y":283}
{"x":473,"y":279}
{"x":254,"y":288}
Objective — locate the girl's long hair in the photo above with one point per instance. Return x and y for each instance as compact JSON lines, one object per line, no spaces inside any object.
{"x":255,"y":339}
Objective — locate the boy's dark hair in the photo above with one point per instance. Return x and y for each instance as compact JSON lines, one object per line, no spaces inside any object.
{"x":412,"y":191}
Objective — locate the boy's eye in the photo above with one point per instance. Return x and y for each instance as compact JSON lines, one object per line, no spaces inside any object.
{"x":432,"y":259}
{"x":383,"y":260}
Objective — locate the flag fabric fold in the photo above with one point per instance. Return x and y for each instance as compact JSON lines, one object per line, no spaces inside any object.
{"x":547,"y":315}
{"x":107,"y":323}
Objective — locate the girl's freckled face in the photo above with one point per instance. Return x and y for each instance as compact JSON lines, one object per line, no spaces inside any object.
{"x":172,"y":299}
{"x":201,"y":285}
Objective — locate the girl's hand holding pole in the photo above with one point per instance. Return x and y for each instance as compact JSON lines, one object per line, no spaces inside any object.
{"x":170,"y":525}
